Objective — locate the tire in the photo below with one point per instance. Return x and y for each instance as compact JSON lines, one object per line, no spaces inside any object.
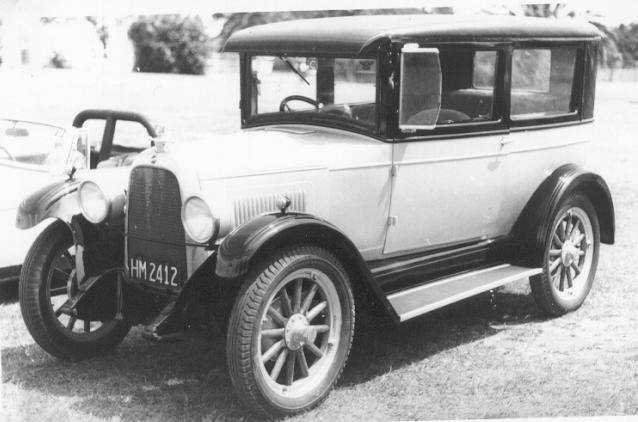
{"x":273,"y":385}
{"x":569,"y":265}
{"x":44,"y":285}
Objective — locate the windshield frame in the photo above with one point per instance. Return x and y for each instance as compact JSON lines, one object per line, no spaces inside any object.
{"x":68,"y":135}
{"x":330,"y":120}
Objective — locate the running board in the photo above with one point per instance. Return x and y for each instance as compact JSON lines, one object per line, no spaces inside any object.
{"x":428,"y":297}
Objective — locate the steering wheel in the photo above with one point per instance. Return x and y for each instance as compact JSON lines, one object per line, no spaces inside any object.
{"x":7,"y":153}
{"x":283,"y":106}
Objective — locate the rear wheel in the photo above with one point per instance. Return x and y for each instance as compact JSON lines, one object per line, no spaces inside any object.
{"x":47,"y":280}
{"x":290,"y":331}
{"x":570,"y":258}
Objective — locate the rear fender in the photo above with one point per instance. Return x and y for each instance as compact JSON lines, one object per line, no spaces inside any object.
{"x":534,"y":222}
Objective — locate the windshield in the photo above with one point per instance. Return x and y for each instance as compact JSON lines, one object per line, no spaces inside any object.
{"x":315,"y":86}
{"x":35,"y":144}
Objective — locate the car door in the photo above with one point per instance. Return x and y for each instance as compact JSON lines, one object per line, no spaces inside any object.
{"x":448,"y":172}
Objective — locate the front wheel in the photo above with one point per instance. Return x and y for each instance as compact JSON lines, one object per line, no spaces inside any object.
{"x":290,"y":331}
{"x":47,"y":280}
{"x":570,"y":258}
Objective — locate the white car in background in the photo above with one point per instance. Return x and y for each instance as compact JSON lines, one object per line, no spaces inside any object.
{"x":35,"y":155}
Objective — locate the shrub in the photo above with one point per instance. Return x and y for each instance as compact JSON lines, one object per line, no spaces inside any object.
{"x":57,"y":61}
{"x":169,"y":44}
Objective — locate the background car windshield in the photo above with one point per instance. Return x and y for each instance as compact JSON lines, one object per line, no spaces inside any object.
{"x":33,"y":143}
{"x":336,"y":87}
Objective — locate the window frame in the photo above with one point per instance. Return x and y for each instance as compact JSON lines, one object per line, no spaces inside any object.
{"x":466,"y":129}
{"x":530,"y":120}
{"x":327,"y":120}
{"x":405,"y":127}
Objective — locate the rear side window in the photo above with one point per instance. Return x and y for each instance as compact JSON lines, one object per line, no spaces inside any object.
{"x":543,"y":82}
{"x":468,"y":86}
{"x":484,"y":69}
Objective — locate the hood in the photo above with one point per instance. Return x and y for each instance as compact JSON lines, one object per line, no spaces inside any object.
{"x":266,"y":150}
{"x":18,"y":183}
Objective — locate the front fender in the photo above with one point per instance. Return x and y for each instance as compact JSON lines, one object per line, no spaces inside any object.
{"x":242,"y":244}
{"x":537,"y":216}
{"x":57,"y":200}
{"x":264,"y":233}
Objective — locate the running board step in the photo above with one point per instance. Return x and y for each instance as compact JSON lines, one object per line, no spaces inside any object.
{"x":428,"y":297}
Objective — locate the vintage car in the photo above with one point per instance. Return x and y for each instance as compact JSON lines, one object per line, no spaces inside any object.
{"x":387,"y":164}
{"x":34,"y":155}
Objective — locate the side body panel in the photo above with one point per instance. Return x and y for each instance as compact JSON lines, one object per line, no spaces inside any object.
{"x":338,"y":176}
{"x":532,"y":156}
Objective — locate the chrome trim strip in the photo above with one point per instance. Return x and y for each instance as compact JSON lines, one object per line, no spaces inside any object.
{"x":490,"y":132}
{"x":541,"y":115}
{"x":362,"y":166}
{"x":497,"y":130}
{"x":550,"y":125}
{"x":565,"y":144}
{"x":448,"y":159}
{"x":480,"y":156}
{"x":264,"y":173}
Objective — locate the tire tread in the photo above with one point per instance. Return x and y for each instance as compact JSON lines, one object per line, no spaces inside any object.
{"x":29,"y":295}
{"x":244,"y":315}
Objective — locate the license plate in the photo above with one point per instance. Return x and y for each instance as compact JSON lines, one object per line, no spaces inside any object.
{"x":153,"y":272}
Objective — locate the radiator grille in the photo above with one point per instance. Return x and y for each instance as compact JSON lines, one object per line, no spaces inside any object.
{"x":248,"y":208}
{"x":155,"y":231}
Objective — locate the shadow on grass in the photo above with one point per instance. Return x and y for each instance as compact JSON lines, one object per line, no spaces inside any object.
{"x":9,"y":292}
{"x":380,"y":349}
{"x":189,"y":381}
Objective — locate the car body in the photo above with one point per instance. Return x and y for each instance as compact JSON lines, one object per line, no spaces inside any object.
{"x":37,"y":155}
{"x":400,"y":163}
{"x":32,"y":155}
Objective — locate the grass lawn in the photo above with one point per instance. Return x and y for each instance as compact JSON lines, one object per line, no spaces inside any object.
{"x":489,"y":356}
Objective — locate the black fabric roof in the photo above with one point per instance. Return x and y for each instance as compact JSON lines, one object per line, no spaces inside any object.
{"x":356,"y":35}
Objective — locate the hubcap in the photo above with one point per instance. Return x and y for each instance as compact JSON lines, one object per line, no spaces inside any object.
{"x":570,"y":253}
{"x":299,"y":333}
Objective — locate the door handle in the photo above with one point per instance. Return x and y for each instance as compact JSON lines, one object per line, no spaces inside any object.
{"x":505,"y":141}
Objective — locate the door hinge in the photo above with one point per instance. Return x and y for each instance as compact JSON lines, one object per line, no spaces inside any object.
{"x":393,"y":220}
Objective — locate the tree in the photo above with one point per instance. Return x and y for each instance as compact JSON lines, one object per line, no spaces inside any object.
{"x":609,"y":53}
{"x":546,"y":10}
{"x":237,"y":21}
{"x":170,"y":44}
{"x":101,"y":30}
{"x":628,"y":41}
{"x":57,"y":61}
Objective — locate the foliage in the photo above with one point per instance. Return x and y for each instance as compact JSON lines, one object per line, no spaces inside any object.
{"x":546,"y":10}
{"x":101,"y":30}
{"x":609,"y":53}
{"x":619,"y":46}
{"x":628,"y":41}
{"x":169,"y":44}
{"x":237,"y":21}
{"x":58,"y":61}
